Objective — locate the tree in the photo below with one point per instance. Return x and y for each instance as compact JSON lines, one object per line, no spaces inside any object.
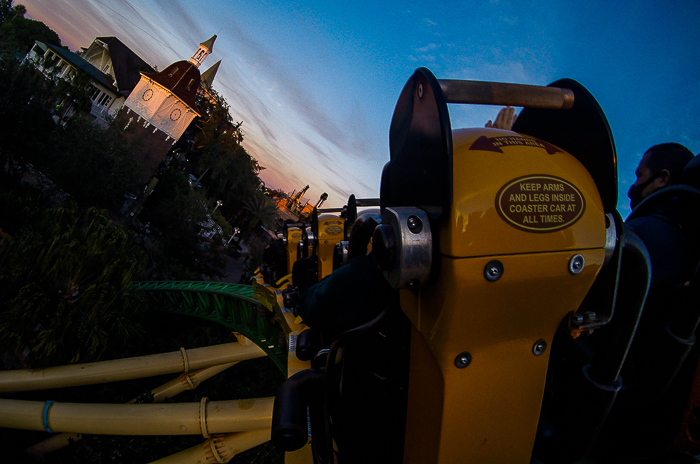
{"x":5,"y":10}
{"x":25,"y":112}
{"x":65,"y":288}
{"x":223,"y":223}
{"x":217,"y":137}
{"x":18,"y":34}
{"x":20,"y":205}
{"x":96,"y":166}
{"x":28,"y":98}
{"x":213,"y":147}
{"x":262,"y":209}
{"x":176,"y":212}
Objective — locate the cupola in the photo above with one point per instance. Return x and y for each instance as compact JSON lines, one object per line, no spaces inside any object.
{"x":205,"y":48}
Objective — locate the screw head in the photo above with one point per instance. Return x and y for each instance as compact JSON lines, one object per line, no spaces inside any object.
{"x":493,"y":270}
{"x":576,"y":264}
{"x":539,"y":347}
{"x":415,"y":225}
{"x":463,"y":359}
{"x":420,"y":90}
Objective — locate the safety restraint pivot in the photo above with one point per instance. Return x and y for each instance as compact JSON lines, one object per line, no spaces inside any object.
{"x":404,"y":246}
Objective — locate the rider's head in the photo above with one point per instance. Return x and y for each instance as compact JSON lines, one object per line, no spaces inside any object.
{"x":661,"y":166}
{"x":361,"y":233}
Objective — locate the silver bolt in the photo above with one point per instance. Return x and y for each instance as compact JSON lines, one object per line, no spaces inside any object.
{"x":493,"y":270}
{"x":576,"y":264}
{"x":463,"y":360}
{"x":539,"y":347}
{"x":577,"y":318}
{"x":414,"y":224}
{"x":589,"y":315}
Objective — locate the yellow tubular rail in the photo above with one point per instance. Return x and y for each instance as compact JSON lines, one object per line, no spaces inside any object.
{"x":184,"y":382}
{"x":205,"y":418}
{"x":160,"y":394}
{"x":127,"y":369}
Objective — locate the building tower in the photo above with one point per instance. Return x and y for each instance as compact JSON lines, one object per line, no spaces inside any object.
{"x":162,"y":105}
{"x":205,"y":48}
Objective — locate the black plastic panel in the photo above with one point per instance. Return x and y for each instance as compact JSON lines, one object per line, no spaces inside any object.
{"x":582,"y":131}
{"x":420,"y":139}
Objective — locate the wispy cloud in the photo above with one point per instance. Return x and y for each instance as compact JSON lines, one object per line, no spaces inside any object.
{"x":428,"y":47}
{"x":428,"y":59}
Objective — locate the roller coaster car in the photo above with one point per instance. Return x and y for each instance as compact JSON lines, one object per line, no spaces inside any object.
{"x":306,"y":251}
{"x":520,"y":292}
{"x":312,"y":251}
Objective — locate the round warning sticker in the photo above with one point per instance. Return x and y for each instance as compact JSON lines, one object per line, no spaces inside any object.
{"x":540,"y":203}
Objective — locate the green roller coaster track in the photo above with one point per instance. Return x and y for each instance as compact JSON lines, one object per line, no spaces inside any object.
{"x":231,"y":305}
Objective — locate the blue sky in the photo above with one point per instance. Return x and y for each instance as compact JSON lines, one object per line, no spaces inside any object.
{"x":315,"y":82}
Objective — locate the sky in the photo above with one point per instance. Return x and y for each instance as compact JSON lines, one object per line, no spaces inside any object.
{"x":315,"y":83}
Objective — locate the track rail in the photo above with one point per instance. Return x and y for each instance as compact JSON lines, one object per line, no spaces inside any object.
{"x":231,"y":305}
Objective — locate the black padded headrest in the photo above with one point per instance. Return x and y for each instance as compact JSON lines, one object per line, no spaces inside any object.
{"x":691,"y":173}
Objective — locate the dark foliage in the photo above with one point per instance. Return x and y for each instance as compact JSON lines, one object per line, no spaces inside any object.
{"x":176,"y":212}
{"x":96,"y":166}
{"x":20,"y":205}
{"x":212,"y":146}
{"x":26,"y":125}
{"x":17,"y":34}
{"x":64,"y":287}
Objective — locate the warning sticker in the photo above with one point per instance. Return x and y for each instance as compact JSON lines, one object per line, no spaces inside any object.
{"x":495,"y":144}
{"x":540,"y":203}
{"x":333,"y":230}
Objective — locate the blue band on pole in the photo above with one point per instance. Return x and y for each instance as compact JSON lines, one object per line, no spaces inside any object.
{"x":46,"y":416}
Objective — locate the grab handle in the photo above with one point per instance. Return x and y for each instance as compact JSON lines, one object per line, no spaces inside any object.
{"x":502,"y":94}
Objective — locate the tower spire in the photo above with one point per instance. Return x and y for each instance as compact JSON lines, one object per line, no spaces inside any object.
{"x":205,"y":48}
{"x":209,"y":74}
